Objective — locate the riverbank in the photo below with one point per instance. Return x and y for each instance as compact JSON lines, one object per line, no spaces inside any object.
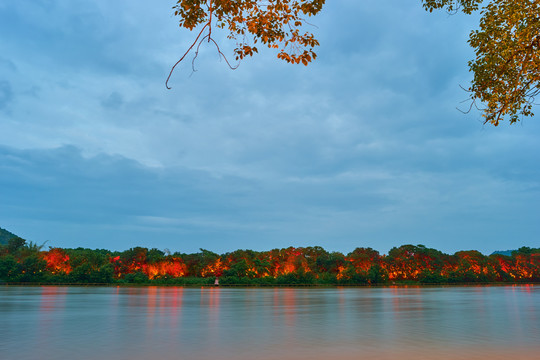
{"x":208,"y":285}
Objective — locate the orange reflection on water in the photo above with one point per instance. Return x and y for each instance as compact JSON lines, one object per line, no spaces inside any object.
{"x":151,"y":296}
{"x":210,"y":299}
{"x":289,"y":297}
{"x":210,"y":304}
{"x":52,"y":302}
{"x":51,"y":298}
{"x":175,"y":307}
{"x":214,"y":298}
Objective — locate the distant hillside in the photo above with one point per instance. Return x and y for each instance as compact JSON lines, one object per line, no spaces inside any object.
{"x":5,"y":236}
{"x":503,"y":252}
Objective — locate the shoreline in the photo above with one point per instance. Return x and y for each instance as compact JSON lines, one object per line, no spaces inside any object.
{"x":396,"y":285}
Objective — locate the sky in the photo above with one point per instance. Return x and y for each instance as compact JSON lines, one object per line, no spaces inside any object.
{"x":365,"y":147}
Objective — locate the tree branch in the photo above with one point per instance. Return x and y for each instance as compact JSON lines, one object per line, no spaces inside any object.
{"x":183,"y":56}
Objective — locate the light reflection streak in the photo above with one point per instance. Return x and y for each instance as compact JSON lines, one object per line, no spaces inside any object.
{"x":151,"y":294}
{"x":51,"y":305}
{"x":289,"y":303}
{"x":175,"y":306}
{"x":209,"y":319}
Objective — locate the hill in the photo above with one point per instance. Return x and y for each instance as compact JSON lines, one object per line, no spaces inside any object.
{"x":5,"y":236}
{"x":503,"y":252}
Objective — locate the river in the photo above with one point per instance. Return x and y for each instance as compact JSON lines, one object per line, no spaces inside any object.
{"x":166,"y":323}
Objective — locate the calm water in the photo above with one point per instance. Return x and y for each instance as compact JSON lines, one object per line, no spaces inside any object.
{"x":284,"y":323}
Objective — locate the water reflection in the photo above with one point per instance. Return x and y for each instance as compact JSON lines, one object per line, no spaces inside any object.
{"x":50,"y":320}
{"x":279,"y":323}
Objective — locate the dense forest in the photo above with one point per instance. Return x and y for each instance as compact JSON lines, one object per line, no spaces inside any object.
{"x":22,"y":262}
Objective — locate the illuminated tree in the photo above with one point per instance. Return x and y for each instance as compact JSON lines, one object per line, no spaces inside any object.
{"x":57,"y":261}
{"x":527,"y":264}
{"x":472,"y":266}
{"x":408,"y":261}
{"x":333,"y":263}
{"x":262,"y":265}
{"x":211,"y":264}
{"x":310,"y":265}
{"x":503,"y":266}
{"x":363,"y":259}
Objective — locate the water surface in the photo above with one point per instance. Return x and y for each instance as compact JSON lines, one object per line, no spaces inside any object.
{"x":165,"y":323}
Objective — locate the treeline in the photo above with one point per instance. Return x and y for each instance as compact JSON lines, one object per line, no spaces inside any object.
{"x":22,"y":262}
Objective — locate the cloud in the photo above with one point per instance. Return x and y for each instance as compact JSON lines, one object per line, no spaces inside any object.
{"x":113,"y":202}
{"x":362,"y":148}
{"x":6,"y":94}
{"x":113,"y":101}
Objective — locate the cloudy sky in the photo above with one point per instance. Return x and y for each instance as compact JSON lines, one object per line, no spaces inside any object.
{"x":363,"y":148}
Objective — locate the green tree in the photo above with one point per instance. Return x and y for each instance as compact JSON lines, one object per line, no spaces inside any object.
{"x":86,"y":273}
{"x":262,"y":266}
{"x":136,"y":278}
{"x":9,"y":268}
{"x":32,"y":269}
{"x":364,"y":258}
{"x":15,"y":244}
{"x":238,"y":269}
{"x":154,"y":255}
{"x":355,"y":276}
{"x":431,"y":277}
{"x":377,"y":275}
{"x":472,"y":266}
{"x":94,"y":258}
{"x":525,"y":250}
{"x":330,"y":262}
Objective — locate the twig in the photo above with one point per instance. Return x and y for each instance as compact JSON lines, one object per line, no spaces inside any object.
{"x":183,"y":56}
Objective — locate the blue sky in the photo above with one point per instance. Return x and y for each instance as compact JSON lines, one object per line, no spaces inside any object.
{"x":362,"y":148}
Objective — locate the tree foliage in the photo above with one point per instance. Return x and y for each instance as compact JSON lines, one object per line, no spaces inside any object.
{"x":452,"y":6}
{"x":506,"y":69}
{"x":277,"y":24}
{"x":507,"y":64}
{"x":408,"y":264}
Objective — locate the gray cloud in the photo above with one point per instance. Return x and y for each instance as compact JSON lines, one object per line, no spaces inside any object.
{"x":362,"y":148}
{"x":6,"y":94}
{"x":113,"y":101}
{"x":114,"y":202}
